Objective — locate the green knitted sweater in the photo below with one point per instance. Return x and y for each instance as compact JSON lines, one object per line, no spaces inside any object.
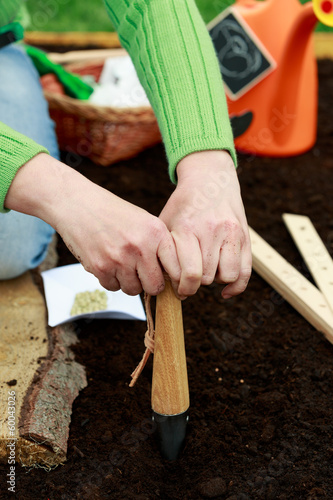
{"x":177,"y":66}
{"x":9,"y":10}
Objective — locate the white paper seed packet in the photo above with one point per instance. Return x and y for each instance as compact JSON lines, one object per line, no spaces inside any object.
{"x":61,"y":285}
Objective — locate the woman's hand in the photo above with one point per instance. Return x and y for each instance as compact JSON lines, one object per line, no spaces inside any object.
{"x":206,"y":218}
{"x":201,"y":234}
{"x":122,"y":245}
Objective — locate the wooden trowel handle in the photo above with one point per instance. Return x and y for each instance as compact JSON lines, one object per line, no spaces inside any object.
{"x":170,"y":392}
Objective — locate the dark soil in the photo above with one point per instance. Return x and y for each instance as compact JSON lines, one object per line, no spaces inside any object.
{"x":260,"y":376}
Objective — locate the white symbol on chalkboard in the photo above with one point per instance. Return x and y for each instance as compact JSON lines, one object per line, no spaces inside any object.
{"x":243,"y":59}
{"x":238,"y":58}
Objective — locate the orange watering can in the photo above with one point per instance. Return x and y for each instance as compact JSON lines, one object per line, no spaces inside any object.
{"x":283,"y":102}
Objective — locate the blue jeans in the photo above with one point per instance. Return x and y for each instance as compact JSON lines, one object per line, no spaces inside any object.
{"x":24,"y":239}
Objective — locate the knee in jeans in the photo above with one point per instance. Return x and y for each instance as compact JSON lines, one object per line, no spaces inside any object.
{"x":12,"y":269}
{"x":24,"y":242}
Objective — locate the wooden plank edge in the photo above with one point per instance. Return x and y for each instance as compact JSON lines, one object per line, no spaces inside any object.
{"x":32,"y":454}
{"x":323,"y":41}
{"x":323,"y":45}
{"x":44,"y":418}
{"x":97,"y":39}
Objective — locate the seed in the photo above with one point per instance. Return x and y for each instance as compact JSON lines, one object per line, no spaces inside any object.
{"x":87,"y":302}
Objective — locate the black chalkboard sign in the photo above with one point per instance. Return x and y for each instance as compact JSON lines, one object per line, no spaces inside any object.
{"x":244,"y":61}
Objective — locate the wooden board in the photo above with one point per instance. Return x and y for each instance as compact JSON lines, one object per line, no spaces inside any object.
{"x":79,"y":39}
{"x":37,"y":369}
{"x":291,"y":285}
{"x":323,"y":42}
{"x":314,"y":253}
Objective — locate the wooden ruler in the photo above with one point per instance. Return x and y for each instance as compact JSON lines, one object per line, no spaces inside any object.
{"x":292,"y":285}
{"x":313,"y":251}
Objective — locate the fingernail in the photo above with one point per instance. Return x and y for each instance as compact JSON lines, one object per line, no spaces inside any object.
{"x":227,"y":296}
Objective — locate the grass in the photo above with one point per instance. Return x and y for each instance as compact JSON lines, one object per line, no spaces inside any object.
{"x":76,"y":15}
{"x":68,"y":15}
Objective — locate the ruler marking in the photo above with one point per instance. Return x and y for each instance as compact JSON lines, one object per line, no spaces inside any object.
{"x":314,"y":253}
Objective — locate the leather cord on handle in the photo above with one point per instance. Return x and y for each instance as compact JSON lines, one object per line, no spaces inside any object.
{"x":148,"y":341}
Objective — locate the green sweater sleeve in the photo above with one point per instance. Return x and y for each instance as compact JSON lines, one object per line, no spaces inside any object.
{"x":15,"y":151}
{"x":178,"y":68}
{"x":9,"y":10}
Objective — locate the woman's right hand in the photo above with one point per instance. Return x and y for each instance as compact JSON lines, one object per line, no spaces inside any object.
{"x":124,"y":246}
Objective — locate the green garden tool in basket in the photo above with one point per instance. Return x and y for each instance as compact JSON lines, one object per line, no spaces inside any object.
{"x":73,"y":85}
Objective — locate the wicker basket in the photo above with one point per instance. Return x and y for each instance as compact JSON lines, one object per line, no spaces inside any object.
{"x":102,"y":133}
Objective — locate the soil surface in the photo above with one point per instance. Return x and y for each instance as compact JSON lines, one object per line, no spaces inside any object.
{"x":261,"y":414}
